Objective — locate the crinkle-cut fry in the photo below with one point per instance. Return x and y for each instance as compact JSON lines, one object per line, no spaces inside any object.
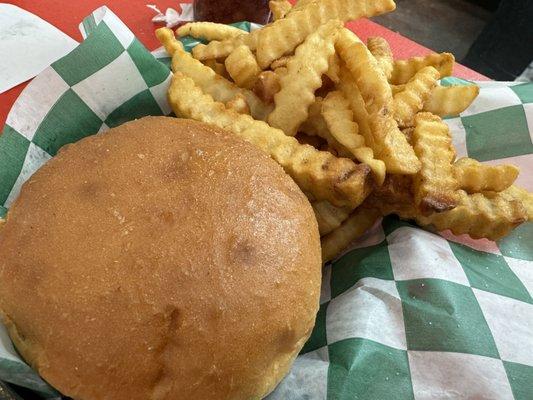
{"x":366,"y":155}
{"x":328,"y":216}
{"x":351,"y":92}
{"x":266,"y":86}
{"x":303,"y":78}
{"x":301,"y":4}
{"x":280,"y":62}
{"x":338,"y":180}
{"x":516,"y":193}
{"x":480,"y":216}
{"x":451,"y":100}
{"x":217,"y":86}
{"x":283,"y":35}
{"x":403,"y":70}
{"x":168,"y":40}
{"x":360,"y":221}
{"x":368,"y":77}
{"x":473,"y":176}
{"x":411,"y":100}
{"x":408,"y":132}
{"x":333,"y":68}
{"x":279,"y":8}
{"x":394,"y":150}
{"x":281,"y":71}
{"x":239,"y":104}
{"x":209,"y":31}
{"x":446,"y":100}
{"x":220,"y":88}
{"x":242,"y":67}
{"x":388,"y":144}
{"x":435,"y":184}
{"x":219,"y":68}
{"x":221,"y":49}
{"x":395,"y":196}
{"x":397,"y":89}
{"x":339,"y":119}
{"x":315,"y":125}
{"x":382,"y":52}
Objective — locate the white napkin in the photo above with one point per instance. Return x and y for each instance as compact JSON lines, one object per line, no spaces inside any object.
{"x":28,"y":44}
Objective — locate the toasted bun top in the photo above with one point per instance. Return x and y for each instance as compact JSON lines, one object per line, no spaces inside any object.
{"x":164,"y":259}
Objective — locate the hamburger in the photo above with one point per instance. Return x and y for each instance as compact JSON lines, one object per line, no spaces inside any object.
{"x":163,"y":259}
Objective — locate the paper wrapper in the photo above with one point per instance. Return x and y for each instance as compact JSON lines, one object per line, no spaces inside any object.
{"x":405,"y":313}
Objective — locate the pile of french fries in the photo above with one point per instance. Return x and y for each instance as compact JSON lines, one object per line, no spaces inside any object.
{"x":359,"y":132}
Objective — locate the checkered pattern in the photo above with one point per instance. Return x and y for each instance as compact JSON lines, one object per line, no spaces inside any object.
{"x":406,"y":313}
{"x":414,"y":315}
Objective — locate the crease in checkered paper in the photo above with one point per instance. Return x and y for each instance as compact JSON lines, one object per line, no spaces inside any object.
{"x":405,"y":313}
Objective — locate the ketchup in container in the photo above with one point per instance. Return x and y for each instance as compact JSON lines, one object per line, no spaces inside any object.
{"x":228,"y":11}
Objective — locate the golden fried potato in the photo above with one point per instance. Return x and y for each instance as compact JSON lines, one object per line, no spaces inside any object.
{"x":394,"y":150}
{"x":283,"y":35}
{"x":451,"y":100}
{"x":168,"y":40}
{"x":480,"y":216}
{"x":474,"y":177}
{"x":397,"y":89}
{"x":388,"y":144}
{"x":266,"y":86}
{"x":303,"y":78}
{"x":280,"y":62}
{"x":238,"y":104}
{"x":326,"y":177}
{"x":516,"y":193}
{"x":382,"y":52}
{"x":281,"y":71}
{"x":351,"y":92}
{"x":411,"y":100}
{"x":333,"y":69}
{"x":315,"y":125}
{"x":344,"y":102}
{"x":435,"y":184}
{"x":221,"y":49}
{"x":242,"y":67}
{"x":339,"y":119}
{"x":220,"y":88}
{"x":408,"y":132}
{"x":403,"y":70}
{"x":395,"y":196}
{"x":365,"y":70}
{"x":301,"y":4}
{"x":219,"y":68}
{"x":209,"y":31}
{"x":328,"y":216}
{"x":279,"y":8}
{"x":360,"y":221}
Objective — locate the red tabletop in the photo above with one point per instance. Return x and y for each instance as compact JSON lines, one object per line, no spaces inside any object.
{"x":66,"y":15}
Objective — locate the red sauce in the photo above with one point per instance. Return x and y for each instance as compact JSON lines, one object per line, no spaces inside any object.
{"x":228,"y":11}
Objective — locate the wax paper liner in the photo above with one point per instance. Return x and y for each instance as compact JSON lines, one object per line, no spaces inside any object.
{"x":405,"y":313}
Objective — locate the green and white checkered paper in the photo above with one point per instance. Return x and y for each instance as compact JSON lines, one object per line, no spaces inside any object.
{"x":406,"y":313}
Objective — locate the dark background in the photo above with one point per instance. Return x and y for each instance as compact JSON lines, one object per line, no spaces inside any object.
{"x":492,"y":37}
